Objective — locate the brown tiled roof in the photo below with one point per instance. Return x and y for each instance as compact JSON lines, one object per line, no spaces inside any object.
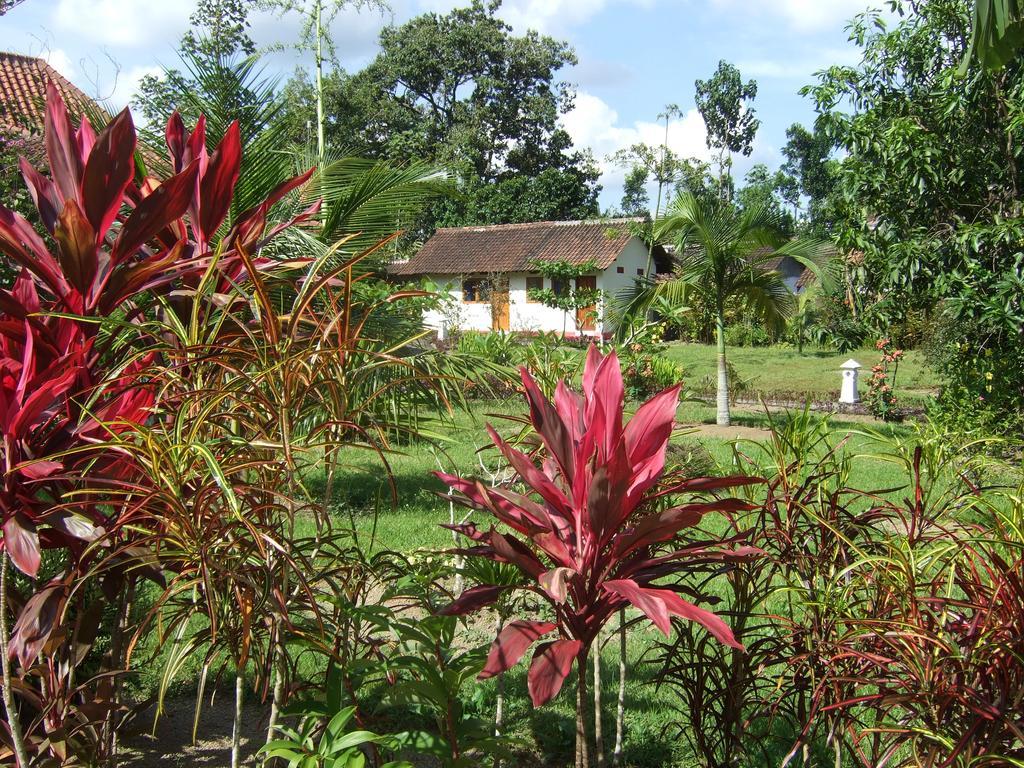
{"x":511,"y":247}
{"x":23,"y":82}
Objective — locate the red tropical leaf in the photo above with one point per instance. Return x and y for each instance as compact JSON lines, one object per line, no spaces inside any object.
{"x":510,"y":645}
{"x":556,"y":582}
{"x":473,"y":599}
{"x":21,"y":541}
{"x":217,"y":184}
{"x":44,"y":194}
{"x":77,"y":251}
{"x":36,"y":622}
{"x":550,"y":666}
{"x":658,"y":604}
{"x":109,"y":169}
{"x":62,"y":149}
{"x":156,"y":211}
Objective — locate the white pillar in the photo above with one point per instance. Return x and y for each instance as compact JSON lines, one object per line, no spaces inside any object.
{"x":848,"y":395}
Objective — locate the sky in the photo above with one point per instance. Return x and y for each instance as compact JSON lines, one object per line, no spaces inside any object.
{"x":635,"y":56}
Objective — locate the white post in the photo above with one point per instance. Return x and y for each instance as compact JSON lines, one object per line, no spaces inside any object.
{"x":848,"y":395}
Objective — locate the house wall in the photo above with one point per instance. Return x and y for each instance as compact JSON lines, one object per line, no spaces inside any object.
{"x":611,"y":282}
{"x":791,"y":269}
{"x":530,"y":317}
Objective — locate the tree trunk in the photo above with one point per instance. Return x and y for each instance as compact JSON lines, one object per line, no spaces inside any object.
{"x":499,"y":706}
{"x":17,"y":738}
{"x":723,"y":419}
{"x":582,"y":742}
{"x":236,"y":726}
{"x":277,"y":700}
{"x":317,"y":21}
{"x":620,"y":712}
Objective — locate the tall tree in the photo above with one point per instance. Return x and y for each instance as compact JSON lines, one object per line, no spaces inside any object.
{"x":315,"y":38}
{"x":635,"y":200}
{"x":223,"y":25}
{"x":764,"y":189}
{"x":930,"y":173}
{"x":725,"y":254}
{"x":462,"y":90}
{"x":661,"y":162}
{"x":218,"y":37}
{"x":809,"y":163}
{"x":724,"y":101}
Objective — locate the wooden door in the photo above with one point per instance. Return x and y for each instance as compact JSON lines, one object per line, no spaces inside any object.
{"x":499,"y":308}
{"x":586,"y":317}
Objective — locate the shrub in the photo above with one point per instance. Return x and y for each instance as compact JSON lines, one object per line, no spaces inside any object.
{"x":881,"y":396}
{"x":588,"y":535}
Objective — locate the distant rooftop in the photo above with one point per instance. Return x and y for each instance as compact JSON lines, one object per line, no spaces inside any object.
{"x":23,"y":82}
{"x":511,"y":247}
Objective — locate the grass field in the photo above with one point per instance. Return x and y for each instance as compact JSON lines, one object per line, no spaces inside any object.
{"x":410,"y":518}
{"x":815,"y":372}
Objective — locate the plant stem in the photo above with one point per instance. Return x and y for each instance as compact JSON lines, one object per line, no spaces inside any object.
{"x":236,"y":726}
{"x":724,"y":417}
{"x":17,"y":738}
{"x":499,"y":706}
{"x":598,"y":735}
{"x":318,"y":31}
{"x":582,"y":743}
{"x":278,"y":697}
{"x":620,"y":713}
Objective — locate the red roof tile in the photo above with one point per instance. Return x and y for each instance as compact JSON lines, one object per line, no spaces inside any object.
{"x":23,"y":82}
{"x":511,"y":247}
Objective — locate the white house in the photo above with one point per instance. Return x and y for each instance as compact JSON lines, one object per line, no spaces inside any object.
{"x":488,"y":272}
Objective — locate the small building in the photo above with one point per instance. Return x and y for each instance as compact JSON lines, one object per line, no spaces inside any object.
{"x":489,"y":273}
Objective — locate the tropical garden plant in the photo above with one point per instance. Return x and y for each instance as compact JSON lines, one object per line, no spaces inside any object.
{"x":724,"y":254}
{"x":590,"y":533}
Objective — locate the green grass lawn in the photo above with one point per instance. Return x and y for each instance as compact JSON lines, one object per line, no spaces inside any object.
{"x":413,"y":523}
{"x":404,"y":513}
{"x":784,"y":370}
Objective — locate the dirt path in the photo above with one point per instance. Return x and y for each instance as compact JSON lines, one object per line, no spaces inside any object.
{"x":172,"y":745}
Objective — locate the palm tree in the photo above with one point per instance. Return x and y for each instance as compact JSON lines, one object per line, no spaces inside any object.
{"x":727,"y":255}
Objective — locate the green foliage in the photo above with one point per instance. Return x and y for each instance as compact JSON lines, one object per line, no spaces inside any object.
{"x":724,"y":102}
{"x":635,"y":200}
{"x":314,"y":744}
{"x":809,"y":165}
{"x":763,"y":189}
{"x":571,"y":299}
{"x":930,"y":181}
{"x":462,"y":91}
{"x":881,"y":397}
{"x":223,"y":26}
{"x":997,"y":32}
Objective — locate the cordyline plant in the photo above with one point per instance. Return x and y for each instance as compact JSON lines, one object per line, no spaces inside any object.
{"x":593,"y":533}
{"x":120,"y":239}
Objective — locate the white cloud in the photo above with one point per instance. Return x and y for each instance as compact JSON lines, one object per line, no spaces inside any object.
{"x":59,"y":60}
{"x":547,"y":16}
{"x":593,"y":124}
{"x":804,"y":15}
{"x":127,"y":84}
{"x":798,"y":68}
{"x":123,"y":24}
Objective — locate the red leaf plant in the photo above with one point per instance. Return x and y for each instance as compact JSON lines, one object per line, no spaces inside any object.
{"x":119,"y":240}
{"x":594,"y":531}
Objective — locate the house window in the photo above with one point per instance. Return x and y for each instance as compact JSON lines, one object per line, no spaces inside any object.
{"x":535,"y":283}
{"x":620,"y":270}
{"x":559,"y":286}
{"x":475,"y":290}
{"x":640,"y":271}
